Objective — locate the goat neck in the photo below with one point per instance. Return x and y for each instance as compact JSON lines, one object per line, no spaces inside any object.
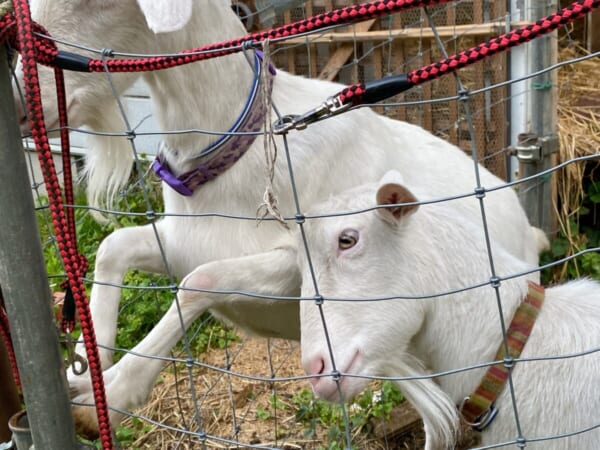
{"x":207,"y":95}
{"x":463,"y":330}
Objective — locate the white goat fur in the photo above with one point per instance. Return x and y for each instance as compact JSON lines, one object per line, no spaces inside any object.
{"x":431,"y":251}
{"x":217,"y":253}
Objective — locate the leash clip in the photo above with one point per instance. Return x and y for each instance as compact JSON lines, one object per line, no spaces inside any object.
{"x":330,"y":107}
{"x":73,"y":359}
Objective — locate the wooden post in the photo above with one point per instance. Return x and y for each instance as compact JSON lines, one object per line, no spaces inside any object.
{"x":593,"y":31}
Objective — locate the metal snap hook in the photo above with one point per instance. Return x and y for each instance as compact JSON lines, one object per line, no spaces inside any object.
{"x":285,"y":123}
{"x":78,"y":363}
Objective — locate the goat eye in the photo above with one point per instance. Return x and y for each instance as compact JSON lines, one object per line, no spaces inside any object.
{"x":347,"y":239}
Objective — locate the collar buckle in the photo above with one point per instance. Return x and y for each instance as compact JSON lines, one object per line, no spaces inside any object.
{"x":481,"y":422}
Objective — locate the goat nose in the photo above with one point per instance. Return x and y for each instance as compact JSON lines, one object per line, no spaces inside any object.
{"x":315,"y":367}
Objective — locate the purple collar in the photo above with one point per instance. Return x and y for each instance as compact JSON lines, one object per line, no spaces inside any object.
{"x":230,"y":147}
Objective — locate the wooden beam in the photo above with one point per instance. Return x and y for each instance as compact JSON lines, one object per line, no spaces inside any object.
{"x":593,"y":31}
{"x":289,"y":53}
{"x":403,"y":419}
{"x":341,"y":55}
{"x":484,"y":29}
{"x":312,"y":49}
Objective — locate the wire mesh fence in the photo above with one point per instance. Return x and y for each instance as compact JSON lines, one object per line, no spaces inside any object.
{"x":223,"y":389}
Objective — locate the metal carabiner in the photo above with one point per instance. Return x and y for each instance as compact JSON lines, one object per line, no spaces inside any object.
{"x":78,"y":363}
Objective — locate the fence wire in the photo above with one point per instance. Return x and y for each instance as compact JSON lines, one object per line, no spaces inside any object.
{"x":226,"y":393}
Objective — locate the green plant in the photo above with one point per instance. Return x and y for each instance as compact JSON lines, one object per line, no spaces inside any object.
{"x":140,"y":307}
{"x":126,"y":435}
{"x":210,"y":333}
{"x":580,"y":232}
{"x":146,"y":296}
{"x":369,"y":405}
{"x":262,"y":413}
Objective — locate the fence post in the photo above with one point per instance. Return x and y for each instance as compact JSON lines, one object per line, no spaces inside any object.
{"x":26,"y":292}
{"x":537,"y":143}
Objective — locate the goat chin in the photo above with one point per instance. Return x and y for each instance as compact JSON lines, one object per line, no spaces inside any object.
{"x":108,"y":165}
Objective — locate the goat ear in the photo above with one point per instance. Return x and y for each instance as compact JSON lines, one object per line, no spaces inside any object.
{"x":164,"y":16}
{"x":391,"y":194}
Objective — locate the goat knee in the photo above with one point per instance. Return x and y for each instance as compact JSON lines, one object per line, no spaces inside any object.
{"x":193,"y":285}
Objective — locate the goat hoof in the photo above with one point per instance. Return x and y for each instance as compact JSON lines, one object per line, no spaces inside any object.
{"x":86,"y":418}
{"x":83,"y":408}
{"x":86,"y":421}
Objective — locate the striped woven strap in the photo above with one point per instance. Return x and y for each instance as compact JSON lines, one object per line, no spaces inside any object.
{"x":477,"y":408}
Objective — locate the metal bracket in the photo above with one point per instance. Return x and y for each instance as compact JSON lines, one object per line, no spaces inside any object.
{"x":532,"y":148}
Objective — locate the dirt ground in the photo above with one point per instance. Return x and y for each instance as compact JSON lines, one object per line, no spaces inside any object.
{"x":240,"y":408}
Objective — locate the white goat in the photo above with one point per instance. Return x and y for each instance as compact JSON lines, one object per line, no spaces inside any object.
{"x":214,"y":253}
{"x":411,"y":251}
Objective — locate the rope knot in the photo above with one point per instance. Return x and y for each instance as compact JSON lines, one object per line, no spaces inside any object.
{"x":269,"y":207}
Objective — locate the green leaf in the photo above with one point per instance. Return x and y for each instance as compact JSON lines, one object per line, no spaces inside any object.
{"x":593,"y":236}
{"x":262,"y":414}
{"x":594,"y":192}
{"x":590,"y":263}
{"x":560,"y":246}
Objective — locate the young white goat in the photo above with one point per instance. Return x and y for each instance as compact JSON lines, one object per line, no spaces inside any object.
{"x":410,"y":252}
{"x":215,"y":253}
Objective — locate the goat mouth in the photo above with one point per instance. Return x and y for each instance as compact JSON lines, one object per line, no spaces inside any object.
{"x":52,"y":121}
{"x":24,"y":126}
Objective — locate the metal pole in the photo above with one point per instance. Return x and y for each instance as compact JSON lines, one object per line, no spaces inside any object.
{"x":537,"y":145}
{"x":26,"y":292}
{"x":517,"y":59}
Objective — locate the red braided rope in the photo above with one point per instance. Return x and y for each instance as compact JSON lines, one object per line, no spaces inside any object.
{"x":66,"y":148}
{"x":342,"y":16}
{"x":5,"y":332}
{"x":353,"y":94}
{"x":46,"y":51}
{"x":67,"y":249}
{"x":67,"y":323}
